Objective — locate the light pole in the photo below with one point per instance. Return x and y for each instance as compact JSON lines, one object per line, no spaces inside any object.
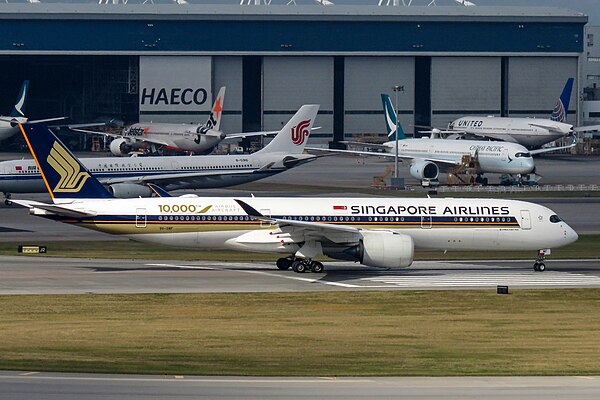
{"x":397,"y":89}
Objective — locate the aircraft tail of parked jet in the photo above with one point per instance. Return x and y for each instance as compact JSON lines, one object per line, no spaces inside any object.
{"x":390,"y":119}
{"x":299,"y":126}
{"x":64,"y":176}
{"x":19,"y":108}
{"x":214,"y":119}
{"x":562,"y":105}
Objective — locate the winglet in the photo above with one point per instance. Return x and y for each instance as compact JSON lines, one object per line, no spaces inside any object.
{"x":19,"y":108}
{"x":390,"y":119}
{"x":160,"y":192}
{"x":562,"y":105}
{"x":65,"y":177}
{"x":248,"y":209}
{"x":214,"y":119}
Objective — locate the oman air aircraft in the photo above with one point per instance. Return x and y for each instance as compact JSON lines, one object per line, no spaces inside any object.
{"x":425,"y":155}
{"x":9,"y":125}
{"x":529,"y":132}
{"x":378,"y":232}
{"x":127,"y":177}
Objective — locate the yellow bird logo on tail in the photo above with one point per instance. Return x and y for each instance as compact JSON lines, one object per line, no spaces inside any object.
{"x":71,"y":176}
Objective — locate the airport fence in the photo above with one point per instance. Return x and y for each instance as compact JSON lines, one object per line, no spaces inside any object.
{"x":519,"y":189}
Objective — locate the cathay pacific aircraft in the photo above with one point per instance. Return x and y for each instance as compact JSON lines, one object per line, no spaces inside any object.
{"x":9,"y":125}
{"x":127,"y":177}
{"x":378,"y":232}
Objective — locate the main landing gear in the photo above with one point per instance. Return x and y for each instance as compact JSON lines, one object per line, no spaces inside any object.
{"x":300,"y":265}
{"x":539,"y":265}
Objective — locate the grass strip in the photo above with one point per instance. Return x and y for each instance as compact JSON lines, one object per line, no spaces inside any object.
{"x":439,"y":333}
{"x":588,"y":246}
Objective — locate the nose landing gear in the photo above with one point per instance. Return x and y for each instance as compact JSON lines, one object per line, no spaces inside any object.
{"x":539,"y":265}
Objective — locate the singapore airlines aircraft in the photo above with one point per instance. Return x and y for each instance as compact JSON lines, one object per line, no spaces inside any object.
{"x":9,"y":125}
{"x":376,"y":232}
{"x":529,"y":132}
{"x":426,"y":154}
{"x":128,"y":177}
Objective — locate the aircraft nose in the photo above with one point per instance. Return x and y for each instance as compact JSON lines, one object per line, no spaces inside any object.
{"x":570,"y":235}
{"x":529,"y":164}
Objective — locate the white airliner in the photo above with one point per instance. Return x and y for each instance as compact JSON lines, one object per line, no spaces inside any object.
{"x":9,"y":125}
{"x":127,"y":177}
{"x":376,"y":232}
{"x":426,"y":154}
{"x":529,"y":132}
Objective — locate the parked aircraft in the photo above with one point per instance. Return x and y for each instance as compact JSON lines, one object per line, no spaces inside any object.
{"x":196,"y":138}
{"x":426,"y":154}
{"x":376,"y":232}
{"x":128,"y":177}
{"x":9,"y":125}
{"x":529,"y":132}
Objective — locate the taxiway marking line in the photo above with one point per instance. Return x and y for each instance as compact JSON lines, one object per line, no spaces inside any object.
{"x":296,"y":278}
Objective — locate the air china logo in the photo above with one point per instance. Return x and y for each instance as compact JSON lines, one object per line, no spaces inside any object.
{"x":300,"y":132}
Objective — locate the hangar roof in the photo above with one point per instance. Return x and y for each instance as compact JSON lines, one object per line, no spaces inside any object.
{"x":56,"y":28}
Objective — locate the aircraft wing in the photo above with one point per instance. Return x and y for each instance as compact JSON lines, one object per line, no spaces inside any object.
{"x":231,"y":136}
{"x":334,"y":232}
{"x":40,"y":121}
{"x":389,"y":155}
{"x":588,"y":128}
{"x":55,"y":209}
{"x":549,"y":149}
{"x":120,"y":135}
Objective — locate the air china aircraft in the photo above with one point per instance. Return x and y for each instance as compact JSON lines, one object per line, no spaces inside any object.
{"x":426,"y":154}
{"x":376,"y":232}
{"x":9,"y":125}
{"x":128,"y":177}
{"x":196,"y":138}
{"x":529,"y":132}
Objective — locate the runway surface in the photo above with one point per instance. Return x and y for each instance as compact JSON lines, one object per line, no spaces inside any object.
{"x":55,"y":386}
{"x":46,"y":275}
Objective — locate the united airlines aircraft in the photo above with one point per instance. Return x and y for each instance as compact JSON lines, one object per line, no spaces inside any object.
{"x":376,"y":232}
{"x":128,"y":177}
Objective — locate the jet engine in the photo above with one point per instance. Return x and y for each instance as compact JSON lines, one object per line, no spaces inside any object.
{"x":119,"y":147}
{"x":377,"y":249}
{"x":424,"y":170}
{"x":129,"y":190}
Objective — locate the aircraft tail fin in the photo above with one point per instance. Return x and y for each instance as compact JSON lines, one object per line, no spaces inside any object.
{"x":19,"y":108}
{"x":562,"y":105}
{"x":214,"y":119}
{"x":65,"y":177}
{"x":390,"y":119}
{"x":293,"y":136}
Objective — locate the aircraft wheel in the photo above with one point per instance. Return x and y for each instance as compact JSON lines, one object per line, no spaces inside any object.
{"x":541,"y":267}
{"x":317,"y":267}
{"x":299,"y":266}
{"x":284,"y":263}
{"x":484,"y":181}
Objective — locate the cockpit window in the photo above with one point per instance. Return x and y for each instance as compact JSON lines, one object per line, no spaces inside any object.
{"x":555,"y":218}
{"x":524,"y":155}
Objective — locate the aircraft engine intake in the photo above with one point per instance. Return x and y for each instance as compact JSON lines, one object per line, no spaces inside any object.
{"x":129,"y":190}
{"x":423,"y":169}
{"x":119,"y":147}
{"x":381,"y":249}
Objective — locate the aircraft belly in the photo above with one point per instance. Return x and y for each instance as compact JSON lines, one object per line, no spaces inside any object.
{"x":194,"y":240}
{"x":207,"y":182}
{"x":33,"y":184}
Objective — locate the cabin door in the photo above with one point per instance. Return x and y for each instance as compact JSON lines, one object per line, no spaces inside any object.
{"x":140,"y":217}
{"x":426,"y":221}
{"x":525,"y":219}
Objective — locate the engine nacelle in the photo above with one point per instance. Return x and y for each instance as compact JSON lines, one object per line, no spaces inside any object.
{"x":119,"y":147}
{"x":129,"y":190}
{"x":377,"y":249}
{"x":422,"y":170}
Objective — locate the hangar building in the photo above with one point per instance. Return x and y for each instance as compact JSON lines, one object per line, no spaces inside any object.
{"x":166,"y":62}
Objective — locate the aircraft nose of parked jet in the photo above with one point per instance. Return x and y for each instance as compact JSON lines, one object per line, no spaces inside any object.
{"x":529,"y":164}
{"x":570,"y":234}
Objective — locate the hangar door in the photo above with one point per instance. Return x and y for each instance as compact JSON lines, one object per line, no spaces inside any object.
{"x":290,"y":82}
{"x":365,"y":78}
{"x":535,"y":84}
{"x":227,"y":71}
{"x":464,"y":86}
